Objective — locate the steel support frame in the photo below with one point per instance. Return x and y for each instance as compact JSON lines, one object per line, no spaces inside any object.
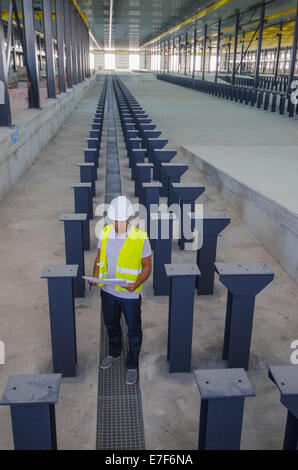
{"x":204,"y":52}
{"x":179,"y":54}
{"x":30,"y":54}
{"x":260,"y":41}
{"x":185,"y":57}
{"x":74,"y":44}
{"x":278,"y":53}
{"x":237,"y":23}
{"x":5,"y":113}
{"x":68,"y":43}
{"x":49,"y":49}
{"x":217,"y":50}
{"x":294,"y":53}
{"x":60,"y":46}
{"x":194,"y":53}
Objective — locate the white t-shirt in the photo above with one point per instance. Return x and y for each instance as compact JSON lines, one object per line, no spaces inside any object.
{"x":113,"y":248}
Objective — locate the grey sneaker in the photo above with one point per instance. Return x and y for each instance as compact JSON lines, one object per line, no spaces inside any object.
{"x":108,"y":361}
{"x":131,"y":376}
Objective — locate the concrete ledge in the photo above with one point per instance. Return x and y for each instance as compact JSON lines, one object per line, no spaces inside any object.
{"x":33,"y":129}
{"x":273,"y":224}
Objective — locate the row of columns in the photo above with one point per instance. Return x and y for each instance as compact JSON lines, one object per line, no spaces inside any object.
{"x":72,"y":47}
{"x":260,"y":30}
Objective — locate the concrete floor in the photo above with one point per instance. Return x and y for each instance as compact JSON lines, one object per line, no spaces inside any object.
{"x":235,"y":138}
{"x":172,"y":399}
{"x":32,"y":237}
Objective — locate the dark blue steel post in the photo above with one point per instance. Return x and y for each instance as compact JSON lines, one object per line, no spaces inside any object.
{"x":180,"y":321}
{"x":84,"y":205}
{"x":171,"y":173}
{"x":188,"y":193}
{"x":143,"y":175}
{"x":132,"y":144}
{"x":153,"y":144}
{"x":137,"y":156}
{"x":213,"y":225}
{"x":91,"y":156}
{"x":161,"y":156}
{"x":74,"y":248}
{"x":87,"y":174}
{"x":32,"y":400}
{"x":286,"y":379}
{"x":94,"y":143}
{"x":62,"y":317}
{"x":151,"y":200}
{"x":243,"y":281}
{"x":223,"y":392}
{"x":162,"y":251}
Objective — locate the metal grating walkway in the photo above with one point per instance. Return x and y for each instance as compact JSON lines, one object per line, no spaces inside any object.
{"x":120,"y":418}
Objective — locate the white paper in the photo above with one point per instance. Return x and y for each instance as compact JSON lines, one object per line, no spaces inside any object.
{"x":108,"y":282}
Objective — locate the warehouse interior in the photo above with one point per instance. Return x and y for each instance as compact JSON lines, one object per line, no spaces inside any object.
{"x":186,"y":102}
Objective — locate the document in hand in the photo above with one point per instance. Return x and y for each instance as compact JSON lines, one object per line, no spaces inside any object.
{"x":108,"y":282}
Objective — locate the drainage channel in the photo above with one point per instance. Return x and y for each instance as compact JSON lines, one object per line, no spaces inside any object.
{"x":120,"y":423}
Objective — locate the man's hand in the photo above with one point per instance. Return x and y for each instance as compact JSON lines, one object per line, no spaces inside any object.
{"x":132,"y":286}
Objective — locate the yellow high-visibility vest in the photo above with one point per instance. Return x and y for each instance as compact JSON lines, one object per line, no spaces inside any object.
{"x":129,"y":263}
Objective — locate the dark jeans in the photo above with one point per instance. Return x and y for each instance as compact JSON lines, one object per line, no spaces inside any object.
{"x":112,"y":307}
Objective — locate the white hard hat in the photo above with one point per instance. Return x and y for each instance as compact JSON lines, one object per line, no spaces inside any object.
{"x":120,"y":209}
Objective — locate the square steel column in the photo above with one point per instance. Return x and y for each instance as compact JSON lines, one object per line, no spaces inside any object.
{"x":62,"y":316}
{"x":74,"y":44}
{"x":194,"y":53}
{"x":180,"y":321}
{"x":204,"y":52}
{"x":154,"y":143}
{"x":186,"y":51}
{"x":138,"y":156}
{"x":237,"y":21}
{"x":30,"y":53}
{"x":5,"y":113}
{"x":260,"y":41}
{"x":161,"y":156}
{"x":143,"y":175}
{"x":93,"y":143}
{"x":74,"y":248}
{"x":217,"y":50}
{"x":68,"y":45}
{"x":213,"y":225}
{"x":171,"y":173}
{"x":90,"y":156}
{"x":188,"y":193}
{"x":286,"y":379}
{"x":32,"y":400}
{"x":48,"y":38}
{"x":151,"y":201}
{"x":222,"y":403}
{"x":162,"y":251}
{"x":243,"y":281}
{"x":60,"y":45}
{"x":88,"y":175}
{"x":83,"y":204}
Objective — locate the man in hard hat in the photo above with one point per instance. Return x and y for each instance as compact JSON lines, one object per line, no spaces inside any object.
{"x":124,"y":252}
